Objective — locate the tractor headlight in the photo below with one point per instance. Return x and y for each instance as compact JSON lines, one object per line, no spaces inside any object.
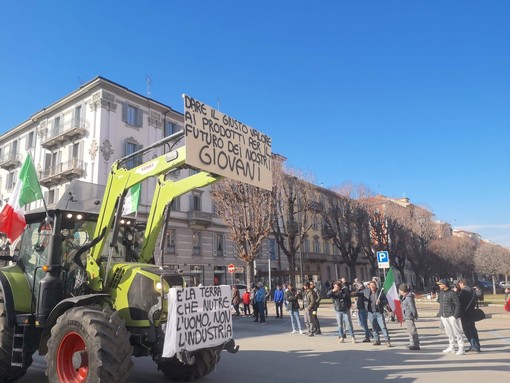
{"x":159,"y":286}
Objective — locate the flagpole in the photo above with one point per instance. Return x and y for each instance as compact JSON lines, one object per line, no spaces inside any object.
{"x":382,"y":287}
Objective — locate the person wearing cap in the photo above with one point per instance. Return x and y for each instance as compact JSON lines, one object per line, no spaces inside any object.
{"x":450,"y":312}
{"x":410,"y":314}
{"x":467,"y":299}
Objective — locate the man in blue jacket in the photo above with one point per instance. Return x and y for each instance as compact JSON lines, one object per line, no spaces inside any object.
{"x":278,"y":301}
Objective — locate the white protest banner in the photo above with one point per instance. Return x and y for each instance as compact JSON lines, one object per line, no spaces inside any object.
{"x":198,"y":317}
{"x":220,"y":144}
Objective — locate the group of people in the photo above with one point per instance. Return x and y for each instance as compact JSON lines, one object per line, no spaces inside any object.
{"x":457,"y":302}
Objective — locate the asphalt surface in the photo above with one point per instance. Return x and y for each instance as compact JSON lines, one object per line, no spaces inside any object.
{"x":270,"y":353}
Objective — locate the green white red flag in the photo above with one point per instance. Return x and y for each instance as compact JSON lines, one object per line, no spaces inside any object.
{"x":132,"y":200}
{"x":26,"y":190}
{"x":390,"y":289}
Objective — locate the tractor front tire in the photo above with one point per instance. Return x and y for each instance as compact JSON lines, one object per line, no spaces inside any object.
{"x":7,"y":372}
{"x":205,"y":363}
{"x":89,"y":344}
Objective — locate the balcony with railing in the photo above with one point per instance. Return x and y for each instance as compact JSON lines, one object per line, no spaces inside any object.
{"x":65,"y":132}
{"x":10,"y":161}
{"x":199,"y":219}
{"x":62,"y":172}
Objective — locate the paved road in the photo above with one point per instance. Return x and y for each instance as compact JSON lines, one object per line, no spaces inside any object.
{"x":270,"y":353}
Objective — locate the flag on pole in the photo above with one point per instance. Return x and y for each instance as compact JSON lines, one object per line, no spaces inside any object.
{"x":132,"y":200}
{"x":390,"y":289}
{"x":26,"y":190}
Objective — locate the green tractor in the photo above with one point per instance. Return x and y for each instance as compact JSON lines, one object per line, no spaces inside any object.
{"x":82,"y":287}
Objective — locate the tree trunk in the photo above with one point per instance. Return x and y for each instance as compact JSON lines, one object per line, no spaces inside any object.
{"x":249,"y":273}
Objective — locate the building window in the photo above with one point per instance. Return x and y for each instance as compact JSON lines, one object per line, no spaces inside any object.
{"x":306,"y":245}
{"x":77,"y":116}
{"x":316,"y":245}
{"x":315,"y":222}
{"x":11,"y":180}
{"x":132,"y":146}
{"x":196,"y":241}
{"x":196,"y":201}
{"x":52,"y":196}
{"x":131,"y":115}
{"x":326,"y":247}
{"x":176,"y":204}
{"x":219,"y":245}
{"x":30,"y":140}
{"x":170,"y":241}
{"x":56,"y":126}
{"x":171,"y":128}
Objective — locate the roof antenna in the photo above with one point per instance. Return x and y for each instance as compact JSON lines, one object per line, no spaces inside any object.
{"x":148,"y":81}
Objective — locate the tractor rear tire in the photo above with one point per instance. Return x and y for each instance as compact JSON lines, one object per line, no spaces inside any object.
{"x":7,"y":372}
{"x":205,"y":363}
{"x":89,"y":344}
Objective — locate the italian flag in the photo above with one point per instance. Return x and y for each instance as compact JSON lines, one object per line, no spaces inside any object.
{"x":26,"y":190}
{"x":131,"y":200}
{"x":390,"y":289}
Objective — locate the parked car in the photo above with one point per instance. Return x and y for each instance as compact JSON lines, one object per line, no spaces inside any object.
{"x":484,"y":285}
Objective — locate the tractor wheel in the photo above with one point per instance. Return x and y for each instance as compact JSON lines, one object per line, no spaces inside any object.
{"x":89,"y":344}
{"x":7,"y":372}
{"x":205,"y":362}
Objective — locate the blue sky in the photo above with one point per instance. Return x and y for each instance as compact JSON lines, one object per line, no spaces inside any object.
{"x":410,"y":98}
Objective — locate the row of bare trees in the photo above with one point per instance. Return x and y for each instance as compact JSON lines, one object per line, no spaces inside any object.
{"x":357,"y":223}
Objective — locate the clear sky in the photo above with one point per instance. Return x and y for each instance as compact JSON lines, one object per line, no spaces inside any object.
{"x":411,"y":98}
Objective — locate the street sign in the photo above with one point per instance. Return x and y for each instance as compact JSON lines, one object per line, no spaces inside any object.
{"x":231,"y":268}
{"x":383,"y":259}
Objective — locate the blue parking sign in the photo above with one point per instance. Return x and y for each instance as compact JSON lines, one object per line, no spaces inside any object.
{"x":383,"y":259}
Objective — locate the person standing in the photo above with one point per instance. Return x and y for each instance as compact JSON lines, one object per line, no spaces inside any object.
{"x":254,"y":303}
{"x":361,"y":301}
{"x":292,"y":296}
{"x":236,"y":299}
{"x":246,"y":302}
{"x":467,"y":299}
{"x":318,"y":298}
{"x":449,"y":312}
{"x":310,"y":308}
{"x":410,"y":314}
{"x":342,"y":304}
{"x":260,"y":299}
{"x":375,"y":302}
{"x":278,"y":301}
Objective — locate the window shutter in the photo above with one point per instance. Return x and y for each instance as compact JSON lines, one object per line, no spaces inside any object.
{"x":139,"y":118}
{"x":124,"y":112}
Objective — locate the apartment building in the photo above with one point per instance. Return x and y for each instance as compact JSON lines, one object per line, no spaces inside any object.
{"x":82,"y":134}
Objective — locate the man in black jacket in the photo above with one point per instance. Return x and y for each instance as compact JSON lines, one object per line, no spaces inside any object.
{"x":449,"y":312}
{"x":467,"y":299}
{"x":342,"y":305}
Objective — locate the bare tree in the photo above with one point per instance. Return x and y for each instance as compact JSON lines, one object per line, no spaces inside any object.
{"x":246,"y":211}
{"x":345,"y":221}
{"x":423,"y":231}
{"x":491,"y":259}
{"x":456,"y":255}
{"x":389,"y":230}
{"x":294,"y":203}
